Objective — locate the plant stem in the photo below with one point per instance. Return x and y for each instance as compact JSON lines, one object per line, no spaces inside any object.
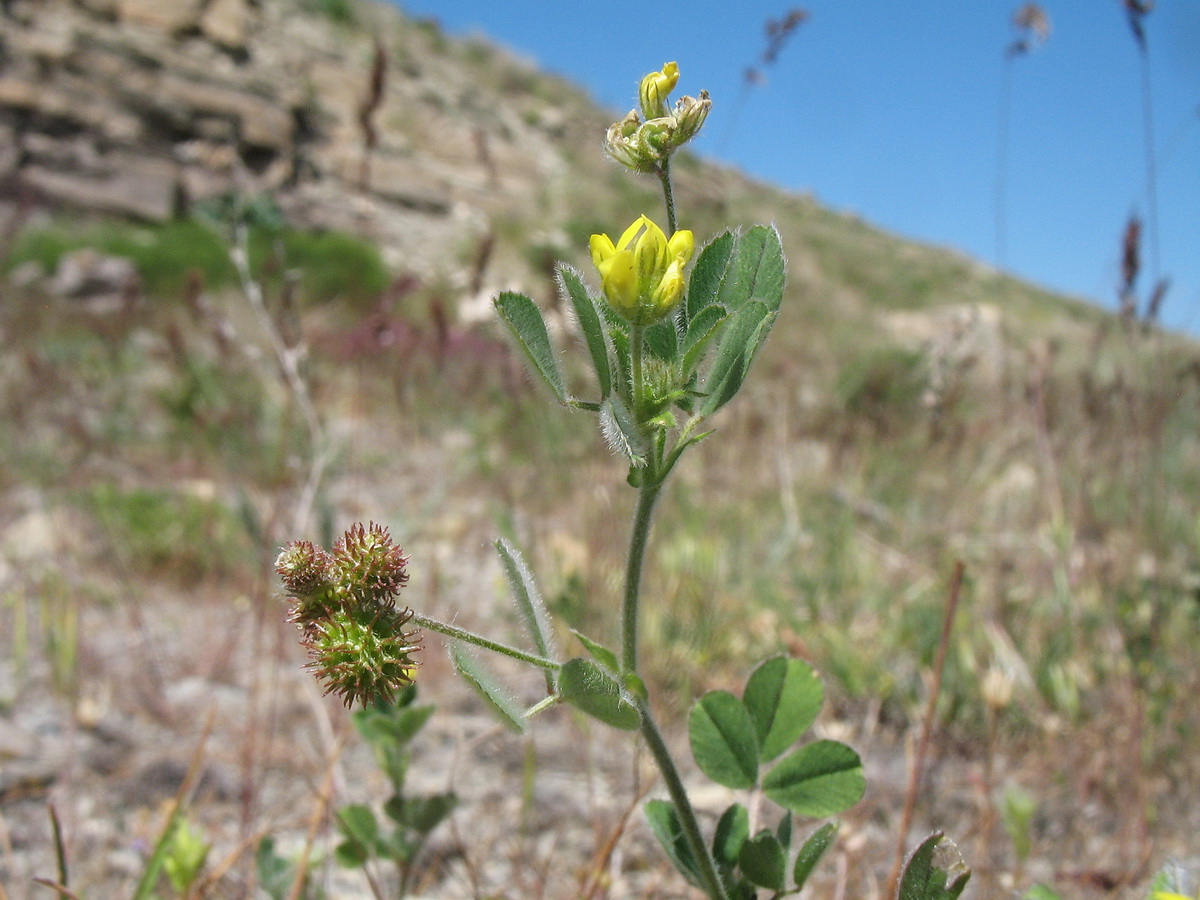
{"x":647,"y":494}
{"x":713,"y":885}
{"x":637,"y":346}
{"x":918,"y":767}
{"x":664,"y":175}
{"x":478,"y":640}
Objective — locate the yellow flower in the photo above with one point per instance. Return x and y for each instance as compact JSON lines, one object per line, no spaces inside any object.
{"x":642,"y":273}
{"x":654,"y":90}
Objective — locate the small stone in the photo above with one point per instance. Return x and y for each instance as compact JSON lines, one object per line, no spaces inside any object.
{"x":86,"y":273}
{"x":226,"y":22}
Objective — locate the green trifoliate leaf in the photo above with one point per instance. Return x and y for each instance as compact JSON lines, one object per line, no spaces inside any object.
{"x":812,"y":851}
{"x":664,"y":822}
{"x":783,"y":696}
{"x":591,"y":323}
{"x":934,"y":871}
{"x":528,"y":328}
{"x":495,"y":695}
{"x":764,"y":861}
{"x":584,"y":684}
{"x":723,"y":740}
{"x":820,"y":779}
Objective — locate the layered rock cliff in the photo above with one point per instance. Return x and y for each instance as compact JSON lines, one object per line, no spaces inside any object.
{"x":351,"y":117}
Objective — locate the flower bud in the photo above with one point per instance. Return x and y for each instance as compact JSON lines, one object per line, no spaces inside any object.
{"x":654,"y":90}
{"x":690,"y":113}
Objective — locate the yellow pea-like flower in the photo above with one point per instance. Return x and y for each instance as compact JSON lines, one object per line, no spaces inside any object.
{"x":642,"y":272}
{"x":654,"y":90}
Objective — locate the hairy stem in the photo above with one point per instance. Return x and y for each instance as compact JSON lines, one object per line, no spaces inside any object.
{"x":647,"y":494}
{"x":479,"y":640}
{"x":664,"y":175}
{"x":713,"y":885}
{"x":637,"y":347}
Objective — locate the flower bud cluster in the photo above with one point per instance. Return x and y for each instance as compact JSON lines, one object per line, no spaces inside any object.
{"x":643,"y":141}
{"x":344,"y":602}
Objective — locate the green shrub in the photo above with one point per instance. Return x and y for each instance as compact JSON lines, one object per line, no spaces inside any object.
{"x":167,"y":532}
{"x":331,"y":265}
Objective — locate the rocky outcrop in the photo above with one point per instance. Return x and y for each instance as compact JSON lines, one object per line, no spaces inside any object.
{"x":146,"y":108}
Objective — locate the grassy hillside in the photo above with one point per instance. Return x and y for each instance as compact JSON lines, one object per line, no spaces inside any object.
{"x":913,"y":409}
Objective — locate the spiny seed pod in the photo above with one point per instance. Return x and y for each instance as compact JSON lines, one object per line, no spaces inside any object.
{"x":363,"y":655}
{"x":303,"y":567}
{"x":369,"y":567}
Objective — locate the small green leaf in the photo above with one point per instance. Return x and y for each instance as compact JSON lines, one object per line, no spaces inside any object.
{"x":708,"y":273}
{"x":934,"y":871}
{"x":410,"y":720}
{"x":599,"y":652}
{"x":358,"y":823}
{"x":664,"y":822}
{"x":529,"y":603}
{"x":740,"y":339}
{"x":621,"y":432}
{"x":820,"y":779}
{"x":525,"y":322}
{"x":784,"y":831}
{"x":701,"y":331}
{"x":783,"y":696}
{"x":351,"y":855}
{"x":662,"y":340}
{"x":732,"y":831}
{"x":499,"y":700}
{"x":757,"y":271}
{"x":736,"y":267}
{"x":587,"y":314}
{"x":424,"y":814}
{"x":1040,"y":891}
{"x":633,"y":684}
{"x":393,"y":808}
{"x":763,"y":861}
{"x":812,"y":851}
{"x":583,"y":684}
{"x":393,"y":759}
{"x":723,"y":741}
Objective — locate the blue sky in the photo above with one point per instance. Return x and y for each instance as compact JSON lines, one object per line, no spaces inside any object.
{"x":890,"y":110}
